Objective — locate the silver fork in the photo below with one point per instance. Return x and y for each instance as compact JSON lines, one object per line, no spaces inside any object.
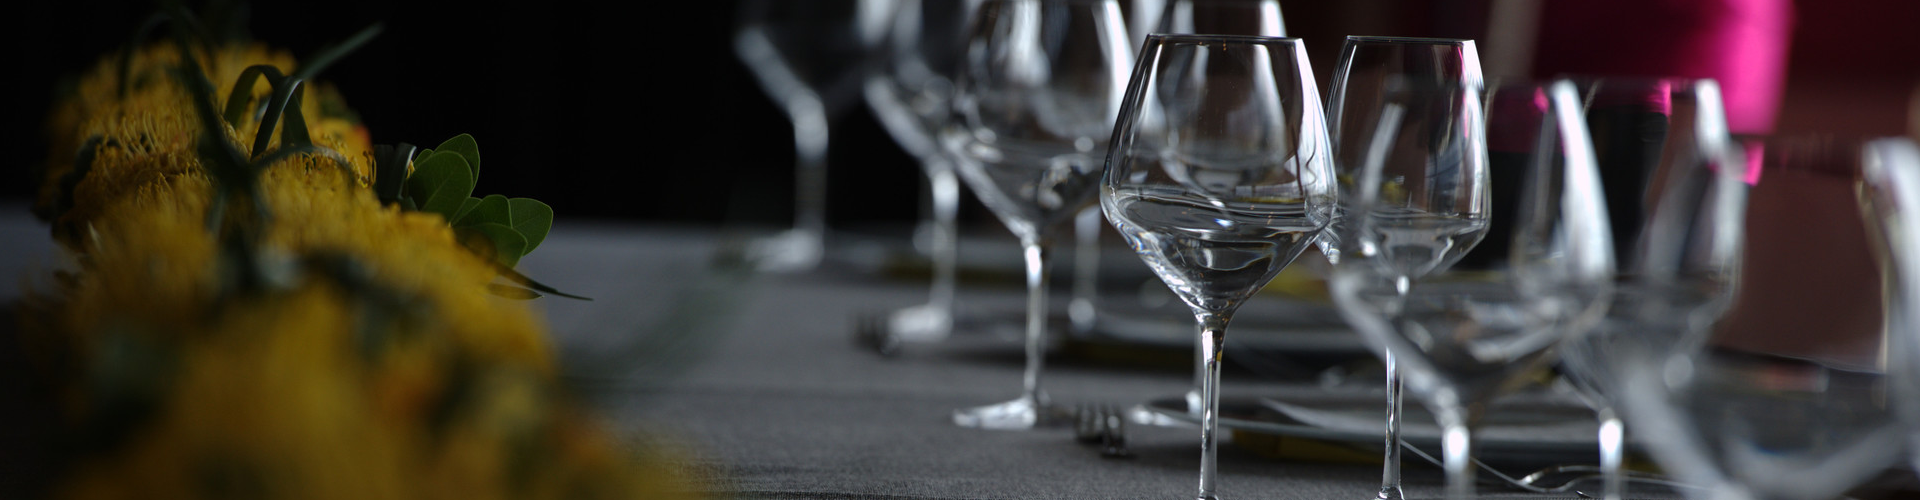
{"x":1102,"y":424}
{"x":1542,"y":481}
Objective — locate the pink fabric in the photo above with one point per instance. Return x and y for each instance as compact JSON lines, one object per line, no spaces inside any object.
{"x":1742,"y":44}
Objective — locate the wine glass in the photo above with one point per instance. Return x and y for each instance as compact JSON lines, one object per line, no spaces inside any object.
{"x":1203,"y":17}
{"x":1754,"y":407}
{"x":1676,"y":190}
{"x":1467,"y":334}
{"x":911,"y":92}
{"x":1218,"y":177}
{"x":1036,"y":99}
{"x":1893,"y":208}
{"x":1369,"y":65}
{"x":811,"y":58}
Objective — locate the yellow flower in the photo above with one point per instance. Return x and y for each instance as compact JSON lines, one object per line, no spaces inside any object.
{"x":374,"y":364}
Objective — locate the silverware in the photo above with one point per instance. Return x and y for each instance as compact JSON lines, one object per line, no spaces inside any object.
{"x":870,"y":331}
{"x":1556,"y":478}
{"x":1103,"y":425}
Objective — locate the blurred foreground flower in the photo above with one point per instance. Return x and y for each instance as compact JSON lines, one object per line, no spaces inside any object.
{"x":248,"y":319}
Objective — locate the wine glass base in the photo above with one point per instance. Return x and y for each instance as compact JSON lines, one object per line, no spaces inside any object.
{"x":1392,"y":493}
{"x":924,"y":323}
{"x":1016,"y":415}
{"x":791,"y":251}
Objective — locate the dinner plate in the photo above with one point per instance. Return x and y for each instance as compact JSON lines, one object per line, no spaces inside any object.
{"x":1543,"y":426}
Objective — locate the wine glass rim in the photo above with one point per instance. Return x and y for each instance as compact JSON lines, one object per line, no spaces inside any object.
{"x":1408,"y":39}
{"x":1201,"y":38}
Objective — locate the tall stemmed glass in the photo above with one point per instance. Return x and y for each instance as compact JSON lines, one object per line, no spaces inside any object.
{"x":810,"y":57}
{"x":911,"y":91}
{"x":1218,"y":178}
{"x":1202,"y":17}
{"x":1676,"y":189}
{"x":1755,"y":407}
{"x":1369,"y":65}
{"x":1463,"y":336}
{"x":1037,"y":96}
{"x":1893,"y":211}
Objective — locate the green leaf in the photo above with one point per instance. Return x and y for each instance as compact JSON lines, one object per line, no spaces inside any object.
{"x":422,"y":157}
{"x":468,"y":148}
{"x":465,"y":206}
{"x":440,"y":185}
{"x":532,"y":219}
{"x":512,"y":292}
{"x":506,"y":244}
{"x":491,"y":210}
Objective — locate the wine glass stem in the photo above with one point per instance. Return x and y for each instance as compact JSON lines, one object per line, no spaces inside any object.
{"x":810,"y":136}
{"x":1213,"y":336}
{"x":1390,"y":468}
{"x":1195,"y":404}
{"x":1086,"y":268}
{"x":1456,"y":443}
{"x":1390,"y":465}
{"x":1612,"y":437}
{"x":1036,"y":252}
{"x":946,"y":209}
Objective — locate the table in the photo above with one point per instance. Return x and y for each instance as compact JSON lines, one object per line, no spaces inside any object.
{"x":766,"y":396}
{"x":782,"y":404}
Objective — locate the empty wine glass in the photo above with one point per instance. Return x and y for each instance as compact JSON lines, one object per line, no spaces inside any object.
{"x":1465,"y":335}
{"x":1369,"y":65}
{"x":1675,"y":186}
{"x":1218,"y":177}
{"x":1893,"y":209}
{"x":1202,"y":17}
{"x":1753,"y":407}
{"x":911,"y":91}
{"x":1037,"y":95}
{"x":811,"y":58}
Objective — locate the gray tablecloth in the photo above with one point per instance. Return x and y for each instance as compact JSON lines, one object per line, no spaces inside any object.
{"x":782,"y":404}
{"x":765,"y":396}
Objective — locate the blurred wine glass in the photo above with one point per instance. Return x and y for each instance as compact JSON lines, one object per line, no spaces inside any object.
{"x":1676,"y":190}
{"x":1467,"y":334}
{"x":1893,"y":211}
{"x":1036,"y":99}
{"x":1369,"y":67}
{"x":811,"y":58}
{"x":1219,"y":176}
{"x":911,"y":91}
{"x":1758,"y":406}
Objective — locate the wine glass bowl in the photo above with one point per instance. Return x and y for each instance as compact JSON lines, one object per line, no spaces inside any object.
{"x":1218,"y":177}
{"x":1036,"y":111}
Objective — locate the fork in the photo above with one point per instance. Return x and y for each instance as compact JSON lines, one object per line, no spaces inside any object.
{"x":1569,"y":475}
{"x":1104,"y":425}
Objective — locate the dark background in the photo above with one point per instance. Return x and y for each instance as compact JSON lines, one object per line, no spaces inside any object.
{"x":640,"y":111}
